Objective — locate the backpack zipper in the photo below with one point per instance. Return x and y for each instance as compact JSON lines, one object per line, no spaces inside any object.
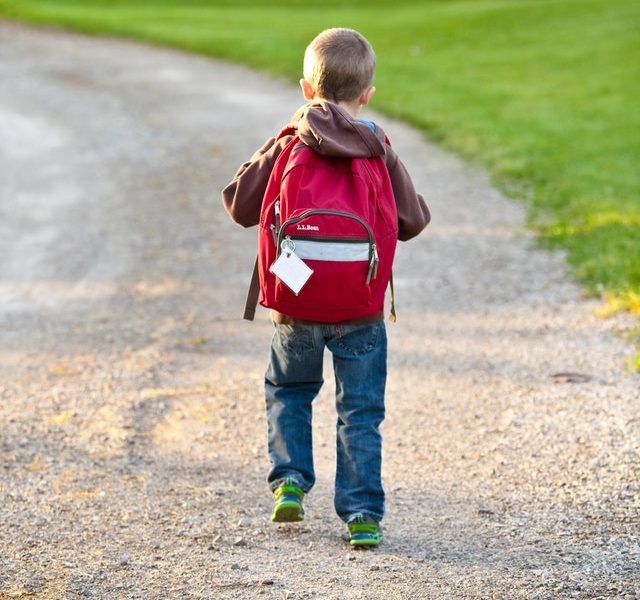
{"x":373,"y":265}
{"x":275,"y":227}
{"x":354,"y":240}
{"x":373,"y":251}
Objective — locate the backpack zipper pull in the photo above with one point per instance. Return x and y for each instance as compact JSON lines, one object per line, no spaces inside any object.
{"x":275,"y":228}
{"x":373,"y":264}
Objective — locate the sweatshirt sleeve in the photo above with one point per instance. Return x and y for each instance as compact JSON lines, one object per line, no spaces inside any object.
{"x":242,"y":198}
{"x":413,"y":213}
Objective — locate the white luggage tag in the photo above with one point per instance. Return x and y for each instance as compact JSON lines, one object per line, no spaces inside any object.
{"x":290,"y":268}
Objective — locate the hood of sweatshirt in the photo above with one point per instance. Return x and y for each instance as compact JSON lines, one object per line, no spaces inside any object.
{"x":330,"y":130}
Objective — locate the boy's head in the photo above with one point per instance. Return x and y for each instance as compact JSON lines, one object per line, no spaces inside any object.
{"x":338,"y":66}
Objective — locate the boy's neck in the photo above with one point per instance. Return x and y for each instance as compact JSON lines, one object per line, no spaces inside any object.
{"x":353,"y":108}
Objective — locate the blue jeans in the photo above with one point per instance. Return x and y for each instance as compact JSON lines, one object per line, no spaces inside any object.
{"x":293,"y":380}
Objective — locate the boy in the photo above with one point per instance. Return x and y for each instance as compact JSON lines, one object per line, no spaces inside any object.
{"x":338,"y":73}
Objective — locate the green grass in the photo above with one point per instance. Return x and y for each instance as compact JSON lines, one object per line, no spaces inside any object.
{"x":544,"y":93}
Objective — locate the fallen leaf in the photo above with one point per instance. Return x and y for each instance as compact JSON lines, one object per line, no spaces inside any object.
{"x":571,"y":377}
{"x":36,"y":464}
{"x":59,"y":370}
{"x":80,"y":496}
{"x":61,"y":418}
{"x":150,"y":393}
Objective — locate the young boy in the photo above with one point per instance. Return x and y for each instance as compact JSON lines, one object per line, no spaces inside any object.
{"x":338,"y":73}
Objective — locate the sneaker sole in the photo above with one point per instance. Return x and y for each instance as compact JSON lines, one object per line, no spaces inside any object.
{"x":287,"y":512}
{"x":363,"y":542}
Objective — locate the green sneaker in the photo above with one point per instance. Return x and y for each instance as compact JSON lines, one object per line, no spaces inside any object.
{"x":287,"y":507}
{"x":364,"y":531}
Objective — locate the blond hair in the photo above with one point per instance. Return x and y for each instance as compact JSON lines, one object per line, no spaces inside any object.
{"x":339,"y":64}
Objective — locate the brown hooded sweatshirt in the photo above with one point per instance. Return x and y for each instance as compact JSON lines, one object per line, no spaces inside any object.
{"x":332,"y":131}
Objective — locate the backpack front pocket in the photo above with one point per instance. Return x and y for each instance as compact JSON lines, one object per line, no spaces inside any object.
{"x":339,"y":279}
{"x":340,"y":249}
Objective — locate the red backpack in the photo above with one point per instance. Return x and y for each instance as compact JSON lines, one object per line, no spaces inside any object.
{"x":339,"y":217}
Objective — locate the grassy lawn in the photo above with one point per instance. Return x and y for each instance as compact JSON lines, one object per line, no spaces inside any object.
{"x":544,"y":93}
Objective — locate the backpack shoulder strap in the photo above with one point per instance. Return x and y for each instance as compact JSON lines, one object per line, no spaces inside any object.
{"x":252,"y":295}
{"x":278,"y":169}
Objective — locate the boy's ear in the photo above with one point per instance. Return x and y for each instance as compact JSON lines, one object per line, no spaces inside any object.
{"x":307,"y":90}
{"x":365,"y":97}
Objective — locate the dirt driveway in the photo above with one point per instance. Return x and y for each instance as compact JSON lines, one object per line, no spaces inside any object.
{"x":132,"y":460}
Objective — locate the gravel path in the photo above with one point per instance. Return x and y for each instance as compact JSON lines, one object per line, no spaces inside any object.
{"x":132,"y":459}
